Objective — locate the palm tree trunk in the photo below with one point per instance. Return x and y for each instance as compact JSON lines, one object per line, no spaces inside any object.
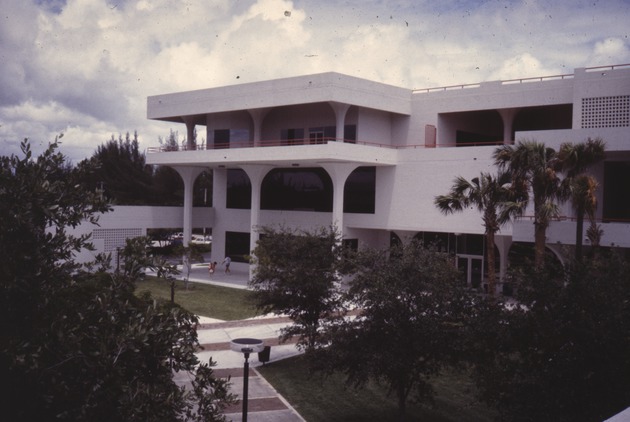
{"x":579,"y":231}
{"x":540,"y":235}
{"x":402,"y":404}
{"x":492,"y":275}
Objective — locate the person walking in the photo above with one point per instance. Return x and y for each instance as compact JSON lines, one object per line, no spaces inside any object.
{"x":212,"y":267}
{"x":227,"y":261}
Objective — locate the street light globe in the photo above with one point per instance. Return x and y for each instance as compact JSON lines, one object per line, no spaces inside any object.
{"x":247,"y":345}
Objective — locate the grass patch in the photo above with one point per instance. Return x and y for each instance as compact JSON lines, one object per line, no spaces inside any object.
{"x":329,"y":399}
{"x":203,"y":299}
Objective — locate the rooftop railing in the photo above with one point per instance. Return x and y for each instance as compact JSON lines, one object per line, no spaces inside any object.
{"x":526,"y":80}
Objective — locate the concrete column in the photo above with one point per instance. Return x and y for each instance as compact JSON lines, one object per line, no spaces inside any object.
{"x":219,"y":199}
{"x":508,"y":115}
{"x":339,"y":174}
{"x":258,"y":115}
{"x":340,"y":115}
{"x":256,"y":174}
{"x":188,"y":175}
{"x":209,"y":132}
{"x":190,"y":132}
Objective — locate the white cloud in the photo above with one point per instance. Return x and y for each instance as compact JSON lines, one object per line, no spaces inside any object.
{"x":611,"y":51}
{"x":86,"y":67}
{"x":520,"y":66}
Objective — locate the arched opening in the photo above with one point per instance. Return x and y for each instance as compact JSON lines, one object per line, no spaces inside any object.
{"x":359,"y":193}
{"x":297,"y":189}
{"x":239,"y":190}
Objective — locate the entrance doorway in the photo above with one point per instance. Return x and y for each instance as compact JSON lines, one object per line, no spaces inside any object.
{"x":472,"y":268}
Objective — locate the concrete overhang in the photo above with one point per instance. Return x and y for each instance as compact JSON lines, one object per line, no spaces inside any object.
{"x":279,"y":156}
{"x":323,"y":87}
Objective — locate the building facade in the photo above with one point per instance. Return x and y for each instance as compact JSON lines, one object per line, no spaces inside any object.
{"x":369,"y":158}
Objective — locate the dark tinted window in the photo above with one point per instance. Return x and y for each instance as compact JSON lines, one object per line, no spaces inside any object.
{"x":359,"y":195}
{"x":239,"y":190}
{"x":237,"y":246}
{"x":300,"y":189}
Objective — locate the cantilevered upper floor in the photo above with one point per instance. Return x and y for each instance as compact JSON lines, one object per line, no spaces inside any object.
{"x":331,"y":107}
{"x":300,"y":90}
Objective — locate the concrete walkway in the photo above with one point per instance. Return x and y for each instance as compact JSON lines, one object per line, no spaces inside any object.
{"x":264,"y":402}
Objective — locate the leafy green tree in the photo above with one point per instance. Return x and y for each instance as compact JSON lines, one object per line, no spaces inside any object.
{"x":136,"y":257}
{"x":79,"y":345}
{"x":495,"y":198}
{"x":170,"y":142}
{"x":534,"y":165}
{"x":121,"y":172}
{"x":168,"y":186}
{"x":297,"y":274}
{"x":563,"y":354}
{"x":189,"y":254}
{"x":411,"y":310}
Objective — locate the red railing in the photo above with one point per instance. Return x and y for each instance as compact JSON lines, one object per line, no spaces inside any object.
{"x":586,"y":221}
{"x":302,"y":142}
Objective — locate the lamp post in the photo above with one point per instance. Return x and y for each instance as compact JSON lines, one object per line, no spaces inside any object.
{"x":246,"y":346}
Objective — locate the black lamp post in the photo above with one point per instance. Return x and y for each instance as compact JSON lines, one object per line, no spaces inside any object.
{"x":246,"y":346}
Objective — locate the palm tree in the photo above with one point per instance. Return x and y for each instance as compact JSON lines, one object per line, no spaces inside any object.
{"x":493,"y":197}
{"x":535,"y":166}
{"x":574,"y":160}
{"x":583,"y":190}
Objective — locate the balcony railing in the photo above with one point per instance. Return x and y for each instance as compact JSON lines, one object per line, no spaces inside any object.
{"x":301,"y":142}
{"x":574,"y":219}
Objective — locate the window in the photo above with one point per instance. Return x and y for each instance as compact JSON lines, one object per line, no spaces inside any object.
{"x":229,"y":138}
{"x":316,"y":135}
{"x":321,"y":135}
{"x":239,"y":190}
{"x":237,"y":246}
{"x":221,"y":138}
{"x":616,"y":198}
{"x":300,"y":189}
{"x":292,"y":136}
{"x":350,"y":134}
{"x":359,"y":194}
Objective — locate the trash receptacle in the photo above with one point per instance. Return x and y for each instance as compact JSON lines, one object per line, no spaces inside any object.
{"x":263,"y":356}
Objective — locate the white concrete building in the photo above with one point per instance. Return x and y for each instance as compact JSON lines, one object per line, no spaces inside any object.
{"x":370,"y":158}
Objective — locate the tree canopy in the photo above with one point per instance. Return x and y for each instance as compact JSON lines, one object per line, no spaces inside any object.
{"x":411,"y":310}
{"x":78,"y":344}
{"x":123,"y":177}
{"x":562,"y":353}
{"x":296,"y":273}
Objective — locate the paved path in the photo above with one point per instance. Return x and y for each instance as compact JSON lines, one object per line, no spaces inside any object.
{"x":265,"y":404}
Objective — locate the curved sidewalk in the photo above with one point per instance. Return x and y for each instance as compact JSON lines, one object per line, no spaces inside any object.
{"x":264,"y":402}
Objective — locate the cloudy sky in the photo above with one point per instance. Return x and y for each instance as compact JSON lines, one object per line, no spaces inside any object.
{"x":84,"y":68}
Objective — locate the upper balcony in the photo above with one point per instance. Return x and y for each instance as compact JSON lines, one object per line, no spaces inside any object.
{"x":334,"y":117}
{"x":305,"y":152}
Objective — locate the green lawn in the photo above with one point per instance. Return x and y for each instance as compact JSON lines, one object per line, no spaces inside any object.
{"x":203,"y":299}
{"x":318,"y":399}
{"x":328,"y":399}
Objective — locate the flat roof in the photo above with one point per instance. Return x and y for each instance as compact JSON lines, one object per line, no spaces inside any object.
{"x":317,"y":88}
